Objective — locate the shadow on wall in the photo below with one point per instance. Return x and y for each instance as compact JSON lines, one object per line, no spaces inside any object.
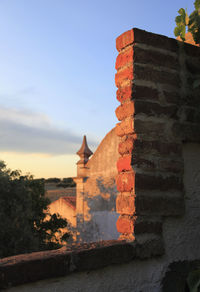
{"x":98,"y":221}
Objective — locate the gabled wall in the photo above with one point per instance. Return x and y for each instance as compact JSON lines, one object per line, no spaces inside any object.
{"x":96,"y":193}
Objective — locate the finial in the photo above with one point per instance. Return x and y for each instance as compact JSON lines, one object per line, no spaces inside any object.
{"x":84,"y":152}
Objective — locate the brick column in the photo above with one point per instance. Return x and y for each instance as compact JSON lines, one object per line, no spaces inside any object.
{"x":152,"y":87}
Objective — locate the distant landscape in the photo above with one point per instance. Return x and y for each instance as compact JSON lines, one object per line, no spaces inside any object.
{"x":56,"y":188}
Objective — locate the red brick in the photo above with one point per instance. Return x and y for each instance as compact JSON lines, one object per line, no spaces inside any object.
{"x":125,"y":110}
{"x":124,"y":58}
{"x":160,"y":206}
{"x":144,"y":93}
{"x":127,"y":146}
{"x":125,"y":182}
{"x":155,"y":109}
{"x":157,"y":147}
{"x":125,"y":127}
{"x":124,"y":163}
{"x":151,"y":129}
{"x":142,"y":163}
{"x":172,"y":165}
{"x":155,"y":58}
{"x":124,"y":93}
{"x":136,"y":35}
{"x":155,"y":40}
{"x":125,"y":225}
{"x":144,"y":225}
{"x":125,"y":204}
{"x":153,"y":182}
{"x":124,"y":40}
{"x":124,"y":75}
{"x":172,"y":97}
{"x":153,"y":75}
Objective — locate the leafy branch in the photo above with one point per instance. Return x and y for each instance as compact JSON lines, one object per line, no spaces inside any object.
{"x":191,"y":22}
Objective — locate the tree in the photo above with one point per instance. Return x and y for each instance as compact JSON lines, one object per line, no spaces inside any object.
{"x":25,"y":223}
{"x":192,"y":22}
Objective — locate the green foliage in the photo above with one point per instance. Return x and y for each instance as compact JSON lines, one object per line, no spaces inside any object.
{"x":25,"y":224}
{"x":192,"y":22}
{"x":52,"y":180}
{"x":193,"y":281}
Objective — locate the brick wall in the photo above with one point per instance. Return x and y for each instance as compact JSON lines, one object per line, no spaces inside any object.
{"x":158,"y":90}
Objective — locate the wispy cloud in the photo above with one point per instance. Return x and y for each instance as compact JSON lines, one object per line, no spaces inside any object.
{"x":31,"y":132}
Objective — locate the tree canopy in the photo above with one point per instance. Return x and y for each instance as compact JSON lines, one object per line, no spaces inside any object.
{"x":191,"y":22}
{"x":25,"y":223}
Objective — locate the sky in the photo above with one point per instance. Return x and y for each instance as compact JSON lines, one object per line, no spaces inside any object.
{"x":57,"y":68}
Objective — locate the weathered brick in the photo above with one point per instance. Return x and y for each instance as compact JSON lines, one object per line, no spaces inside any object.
{"x":124,"y":40}
{"x":126,"y":147}
{"x":190,"y":133}
{"x":144,"y":93}
{"x":192,"y":99}
{"x":193,"y":66}
{"x":153,"y":182}
{"x":149,"y":74}
{"x":161,"y":206}
{"x":124,"y":163}
{"x":151,"y":57}
{"x":125,"y":224}
{"x":153,"y":129}
{"x":137,"y":92}
{"x":125,"y":110}
{"x":171,"y":165}
{"x":125,"y":204}
{"x":141,"y":36}
{"x":125,"y":127}
{"x":124,"y":93}
{"x":189,"y":114}
{"x":157,"y":147}
{"x":125,"y":181}
{"x":187,"y":132}
{"x":124,"y":75}
{"x":172,"y":97}
{"x":124,"y":58}
{"x":192,"y":51}
{"x":155,"y":58}
{"x":143,"y":224}
{"x":155,"y":109}
{"x":143,"y":163}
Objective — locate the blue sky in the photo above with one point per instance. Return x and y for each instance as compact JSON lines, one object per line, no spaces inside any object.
{"x":57,"y":75}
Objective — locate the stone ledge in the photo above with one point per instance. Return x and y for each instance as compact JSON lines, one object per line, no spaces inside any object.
{"x":26,"y":268}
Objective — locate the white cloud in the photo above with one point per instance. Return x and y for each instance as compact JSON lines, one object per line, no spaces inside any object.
{"x":31,"y":132}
